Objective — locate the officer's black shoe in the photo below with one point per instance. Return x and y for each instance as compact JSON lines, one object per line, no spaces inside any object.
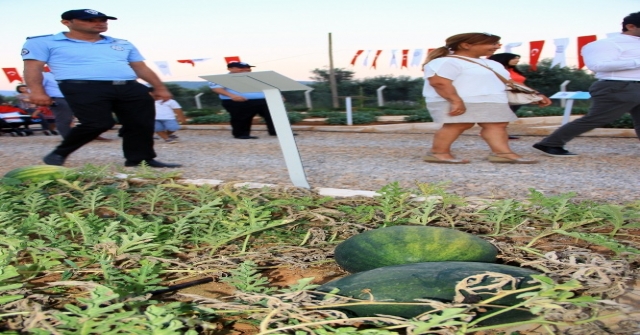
{"x":246,"y":137}
{"x":152,"y":163}
{"x":54,"y":159}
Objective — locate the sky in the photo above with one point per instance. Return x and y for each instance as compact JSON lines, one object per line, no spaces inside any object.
{"x":291,"y":36}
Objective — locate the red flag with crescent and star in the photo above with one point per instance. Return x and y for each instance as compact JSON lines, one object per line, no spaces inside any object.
{"x":231,"y":59}
{"x":12,"y":74}
{"x":405,"y":58}
{"x":535,"y":48}
{"x":582,"y":41}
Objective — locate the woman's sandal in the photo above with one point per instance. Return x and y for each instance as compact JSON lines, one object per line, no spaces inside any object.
{"x":430,"y":158}
{"x":497,"y":158}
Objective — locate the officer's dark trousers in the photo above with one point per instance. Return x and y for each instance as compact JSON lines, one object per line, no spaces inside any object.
{"x":242,"y":114}
{"x":94,"y":105}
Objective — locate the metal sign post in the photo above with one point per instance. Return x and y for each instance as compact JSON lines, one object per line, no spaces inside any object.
{"x":271,"y":83}
{"x":569,"y":97}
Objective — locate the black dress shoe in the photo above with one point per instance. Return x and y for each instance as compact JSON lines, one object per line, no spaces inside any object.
{"x":152,"y":163}
{"x":246,"y":137}
{"x":54,"y":159}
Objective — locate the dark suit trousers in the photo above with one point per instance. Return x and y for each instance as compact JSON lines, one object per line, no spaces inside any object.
{"x":242,"y":114}
{"x":94,"y":106}
{"x":610,"y":100}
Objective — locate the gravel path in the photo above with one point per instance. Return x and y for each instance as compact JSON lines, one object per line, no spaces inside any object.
{"x":606,"y":170}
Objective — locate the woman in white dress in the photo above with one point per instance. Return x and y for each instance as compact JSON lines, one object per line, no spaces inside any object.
{"x":461,"y":93}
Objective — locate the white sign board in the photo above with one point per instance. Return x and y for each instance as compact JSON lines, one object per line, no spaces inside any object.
{"x":570,"y":96}
{"x":271,"y":83}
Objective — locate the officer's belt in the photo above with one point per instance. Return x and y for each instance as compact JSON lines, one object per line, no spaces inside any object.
{"x":98,"y":82}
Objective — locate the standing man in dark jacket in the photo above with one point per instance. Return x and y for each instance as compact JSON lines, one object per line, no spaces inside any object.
{"x":97,"y":75}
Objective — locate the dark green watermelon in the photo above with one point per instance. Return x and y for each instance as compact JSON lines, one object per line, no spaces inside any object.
{"x":411,"y":244}
{"x":429,"y":280}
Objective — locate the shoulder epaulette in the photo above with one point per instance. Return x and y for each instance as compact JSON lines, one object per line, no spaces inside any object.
{"x":30,"y":37}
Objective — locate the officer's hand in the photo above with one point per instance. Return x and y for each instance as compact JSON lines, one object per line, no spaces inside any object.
{"x":161,"y":94}
{"x":238,"y":98}
{"x":40,"y":99}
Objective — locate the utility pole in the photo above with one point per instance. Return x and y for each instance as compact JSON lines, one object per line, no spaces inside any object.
{"x":332,"y":77}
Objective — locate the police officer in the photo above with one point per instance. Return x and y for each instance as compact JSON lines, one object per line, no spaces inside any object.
{"x":97,"y":75}
{"x":242,"y":107}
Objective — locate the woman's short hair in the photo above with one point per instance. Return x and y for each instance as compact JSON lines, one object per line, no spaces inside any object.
{"x":633,"y":18}
{"x":453,"y":43}
{"x":18,"y":88}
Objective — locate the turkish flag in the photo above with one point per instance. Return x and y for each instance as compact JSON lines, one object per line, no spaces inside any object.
{"x":582,"y":41}
{"x":46,"y":68}
{"x":375,"y":59}
{"x":405,"y":58}
{"x":535,"y":47}
{"x":187,"y":61}
{"x":12,"y":74}
{"x":231,"y":59}
{"x":358,"y":53}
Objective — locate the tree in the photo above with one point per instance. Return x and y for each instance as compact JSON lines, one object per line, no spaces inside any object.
{"x":322,"y":76}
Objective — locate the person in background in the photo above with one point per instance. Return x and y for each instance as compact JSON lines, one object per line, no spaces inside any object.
{"x":616,"y":63}
{"x":460,"y":93}
{"x":98,"y":76}
{"x":509,"y":61}
{"x":243,"y":107}
{"x":60,"y":108}
{"x":24,"y":102}
{"x":169,"y":116}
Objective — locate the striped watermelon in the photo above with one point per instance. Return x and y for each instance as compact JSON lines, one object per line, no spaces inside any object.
{"x":411,"y":244}
{"x":38,"y":173}
{"x":393,"y":290}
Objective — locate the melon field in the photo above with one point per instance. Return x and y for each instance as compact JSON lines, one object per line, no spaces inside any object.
{"x":90,"y":251}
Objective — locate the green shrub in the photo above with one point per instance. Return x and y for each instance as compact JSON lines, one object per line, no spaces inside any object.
{"x":201,"y":112}
{"x":356,"y":118}
{"x":420,"y":116}
{"x":299,"y":109}
{"x":208,"y":119}
{"x":319,"y":113}
{"x":625,"y":122}
{"x":295,"y":117}
{"x":549,"y":111}
{"x":403,"y":111}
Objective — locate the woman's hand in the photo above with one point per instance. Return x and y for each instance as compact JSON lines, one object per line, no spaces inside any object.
{"x":544,"y":102}
{"x":457,"y":108}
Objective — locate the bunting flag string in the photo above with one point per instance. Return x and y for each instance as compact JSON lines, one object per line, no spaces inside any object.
{"x":375,"y":58}
{"x":405,"y":58}
{"x":231,"y":59}
{"x":582,"y":41}
{"x":358,"y":53}
{"x":560,"y":58}
{"x":394,"y":61}
{"x":509,"y":46}
{"x":535,"y":48}
{"x":12,"y":74}
{"x":163,"y":66}
{"x":366,"y":58}
{"x":192,"y":61}
{"x":417,"y":57}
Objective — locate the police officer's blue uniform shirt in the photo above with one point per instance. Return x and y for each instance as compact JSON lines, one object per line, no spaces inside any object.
{"x":107,"y":59}
{"x":250,"y":95}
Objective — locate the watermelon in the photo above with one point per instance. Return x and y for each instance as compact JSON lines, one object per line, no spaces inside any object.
{"x":38,"y":173}
{"x":429,"y":280}
{"x":411,"y":244}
